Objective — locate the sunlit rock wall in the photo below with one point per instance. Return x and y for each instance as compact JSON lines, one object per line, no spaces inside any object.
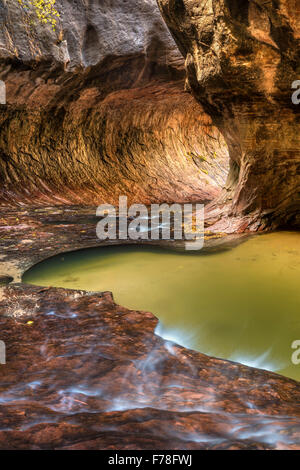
{"x":97,"y":108}
{"x":241,"y":60}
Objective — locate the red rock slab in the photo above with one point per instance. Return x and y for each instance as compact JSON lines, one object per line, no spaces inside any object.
{"x":85,"y":373}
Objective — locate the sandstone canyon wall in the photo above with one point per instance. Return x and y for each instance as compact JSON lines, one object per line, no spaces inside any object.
{"x":97,"y":108}
{"x":241,"y":59}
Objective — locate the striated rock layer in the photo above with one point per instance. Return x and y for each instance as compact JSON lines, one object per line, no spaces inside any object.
{"x":97,"y":108}
{"x":241,"y":61}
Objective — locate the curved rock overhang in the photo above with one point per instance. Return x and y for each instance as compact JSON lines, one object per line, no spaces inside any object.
{"x":241,"y":61}
{"x":98,"y":109}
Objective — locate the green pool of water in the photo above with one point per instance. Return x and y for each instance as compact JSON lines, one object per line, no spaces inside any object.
{"x":241,"y":304}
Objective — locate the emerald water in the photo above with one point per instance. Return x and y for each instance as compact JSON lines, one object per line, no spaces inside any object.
{"x":241,"y":304}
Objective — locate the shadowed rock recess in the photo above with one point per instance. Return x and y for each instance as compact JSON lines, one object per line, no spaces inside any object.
{"x":241,"y":60}
{"x":97,"y":108}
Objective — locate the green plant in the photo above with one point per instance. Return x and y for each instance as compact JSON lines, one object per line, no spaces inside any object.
{"x":192,"y":156}
{"x":45,"y":10}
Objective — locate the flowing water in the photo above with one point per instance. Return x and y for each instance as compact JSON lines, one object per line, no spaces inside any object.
{"x":241,"y":304}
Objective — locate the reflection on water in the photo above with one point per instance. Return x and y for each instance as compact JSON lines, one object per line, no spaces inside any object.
{"x":241,"y":305}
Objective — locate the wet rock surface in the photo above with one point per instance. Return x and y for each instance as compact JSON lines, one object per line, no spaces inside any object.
{"x":85,"y":373}
{"x":32,"y":234}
